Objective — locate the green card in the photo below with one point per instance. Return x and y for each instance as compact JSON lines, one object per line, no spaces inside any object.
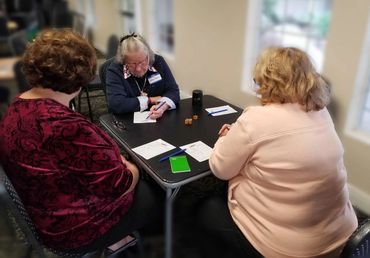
{"x":179,"y":164}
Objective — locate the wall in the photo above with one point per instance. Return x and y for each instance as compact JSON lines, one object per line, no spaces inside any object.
{"x":107,"y":21}
{"x":209,"y":42}
{"x":345,"y":43}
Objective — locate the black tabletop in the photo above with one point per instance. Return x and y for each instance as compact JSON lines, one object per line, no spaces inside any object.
{"x":172,"y":129}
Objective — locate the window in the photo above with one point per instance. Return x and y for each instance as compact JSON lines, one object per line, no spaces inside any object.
{"x":84,"y":18}
{"x":358,"y":124}
{"x":162,"y":34}
{"x":130,"y":13}
{"x":291,"y":23}
{"x":364,"y":123}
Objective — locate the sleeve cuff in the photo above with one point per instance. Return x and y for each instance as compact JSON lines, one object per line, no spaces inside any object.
{"x":143,"y":103}
{"x":169,"y":102}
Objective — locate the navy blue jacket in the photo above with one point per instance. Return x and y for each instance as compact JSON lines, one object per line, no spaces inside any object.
{"x":122,"y":93}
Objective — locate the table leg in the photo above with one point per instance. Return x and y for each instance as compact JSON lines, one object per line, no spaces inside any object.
{"x":170,"y":197}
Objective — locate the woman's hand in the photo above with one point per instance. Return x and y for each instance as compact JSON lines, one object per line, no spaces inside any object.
{"x":134,"y":171}
{"x":155,"y":99}
{"x":224,"y":130}
{"x":157,"y":113}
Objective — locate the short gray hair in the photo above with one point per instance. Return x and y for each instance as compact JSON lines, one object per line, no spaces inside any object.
{"x":132,"y":43}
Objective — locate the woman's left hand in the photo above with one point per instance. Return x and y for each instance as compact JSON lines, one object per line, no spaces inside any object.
{"x":224,"y":130}
{"x":157,"y":113}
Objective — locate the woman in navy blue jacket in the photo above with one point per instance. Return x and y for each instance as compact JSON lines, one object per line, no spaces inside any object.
{"x":138,"y":79}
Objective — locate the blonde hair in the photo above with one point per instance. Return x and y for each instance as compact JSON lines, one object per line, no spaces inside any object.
{"x":286,"y":75}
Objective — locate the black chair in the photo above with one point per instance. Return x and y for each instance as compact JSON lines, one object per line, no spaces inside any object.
{"x":4,"y":99}
{"x":12,"y":204}
{"x":20,"y":78}
{"x":103,"y":70}
{"x":358,"y":245}
{"x":95,"y":85}
{"x":112,"y":46}
{"x":4,"y":95}
{"x":98,"y":84}
{"x":18,"y":42}
{"x":4,"y":37}
{"x":61,"y":16}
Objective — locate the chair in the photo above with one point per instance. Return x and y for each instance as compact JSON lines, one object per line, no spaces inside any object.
{"x":358,"y":245}
{"x":4,"y":99}
{"x":11,"y":202}
{"x":61,"y":16}
{"x":18,"y":42}
{"x":4,"y":94}
{"x":20,"y":78}
{"x":4,"y":36}
{"x":113,"y":43}
{"x":103,"y":70}
{"x":97,"y":84}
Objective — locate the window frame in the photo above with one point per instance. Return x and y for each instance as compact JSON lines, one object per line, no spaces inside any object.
{"x":136,"y":14}
{"x":252,"y":39}
{"x":361,"y":87}
{"x":154,"y":31}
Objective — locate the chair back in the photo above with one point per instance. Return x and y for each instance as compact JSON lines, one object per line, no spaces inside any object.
{"x":18,"y":42}
{"x":20,"y":78}
{"x":103,"y":70}
{"x":358,"y":245}
{"x":11,"y":202}
{"x":4,"y":32}
{"x":61,"y":16}
{"x":112,"y":46}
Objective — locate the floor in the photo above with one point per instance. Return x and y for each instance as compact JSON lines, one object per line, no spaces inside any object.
{"x":12,"y":244}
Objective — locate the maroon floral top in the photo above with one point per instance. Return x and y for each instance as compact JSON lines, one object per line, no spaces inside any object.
{"x":67,"y":171}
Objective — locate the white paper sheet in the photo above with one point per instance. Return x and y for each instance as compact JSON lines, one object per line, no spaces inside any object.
{"x":227,"y":110}
{"x":198,"y":150}
{"x":140,"y":117}
{"x":152,"y":149}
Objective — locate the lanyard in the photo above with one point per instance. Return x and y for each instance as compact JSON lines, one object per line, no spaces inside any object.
{"x":141,"y":90}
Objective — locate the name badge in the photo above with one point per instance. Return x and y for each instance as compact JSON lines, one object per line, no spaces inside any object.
{"x":154,"y":78}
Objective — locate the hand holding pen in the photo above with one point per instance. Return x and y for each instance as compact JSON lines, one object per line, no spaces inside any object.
{"x":157,"y":110}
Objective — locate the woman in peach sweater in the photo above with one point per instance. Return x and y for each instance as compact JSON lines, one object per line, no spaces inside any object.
{"x":287,"y":193}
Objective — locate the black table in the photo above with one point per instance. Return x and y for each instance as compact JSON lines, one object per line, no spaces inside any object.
{"x":172,"y":129}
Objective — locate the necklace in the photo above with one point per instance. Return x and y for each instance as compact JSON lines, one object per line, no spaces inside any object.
{"x":142,"y":93}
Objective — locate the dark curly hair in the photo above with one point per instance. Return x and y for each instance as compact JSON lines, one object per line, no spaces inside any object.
{"x":59,"y":59}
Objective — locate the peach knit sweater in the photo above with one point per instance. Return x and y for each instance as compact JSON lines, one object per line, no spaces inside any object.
{"x":287,"y":182}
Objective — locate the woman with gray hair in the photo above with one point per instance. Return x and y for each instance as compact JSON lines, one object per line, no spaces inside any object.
{"x":139,"y":79}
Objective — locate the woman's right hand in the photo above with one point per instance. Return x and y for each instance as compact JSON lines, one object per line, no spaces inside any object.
{"x":134,"y":171}
{"x":154,"y":100}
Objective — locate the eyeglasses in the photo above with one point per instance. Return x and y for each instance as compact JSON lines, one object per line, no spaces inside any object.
{"x":118,"y":124}
{"x":140,"y":63}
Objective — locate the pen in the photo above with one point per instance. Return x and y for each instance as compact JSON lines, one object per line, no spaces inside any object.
{"x":173,"y":154}
{"x":218,"y":111}
{"x":158,"y":107}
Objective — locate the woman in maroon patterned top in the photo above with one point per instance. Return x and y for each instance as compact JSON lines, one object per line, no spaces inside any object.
{"x":79,"y":191}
